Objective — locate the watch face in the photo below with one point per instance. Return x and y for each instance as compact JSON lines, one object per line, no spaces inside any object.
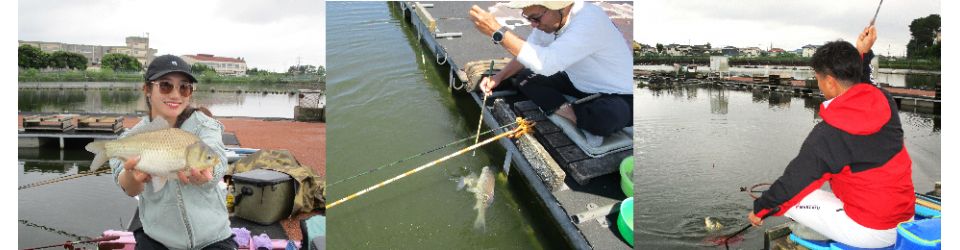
{"x":497,"y":36}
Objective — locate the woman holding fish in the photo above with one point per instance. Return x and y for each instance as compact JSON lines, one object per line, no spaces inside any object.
{"x":180,"y":153}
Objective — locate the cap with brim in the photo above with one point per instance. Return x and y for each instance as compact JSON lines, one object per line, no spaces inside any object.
{"x":553,"y":5}
{"x":166,"y":64}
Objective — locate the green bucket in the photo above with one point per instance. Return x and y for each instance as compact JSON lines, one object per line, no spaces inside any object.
{"x":626,"y":176}
{"x":625,"y":220}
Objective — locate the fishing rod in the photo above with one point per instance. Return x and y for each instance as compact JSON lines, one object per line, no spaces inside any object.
{"x":418,"y":155}
{"x":480,"y":123}
{"x":874,"y":20}
{"x":62,"y":178}
{"x":726,"y":241}
{"x":69,"y":244}
{"x":523,"y":127}
{"x":53,"y":230}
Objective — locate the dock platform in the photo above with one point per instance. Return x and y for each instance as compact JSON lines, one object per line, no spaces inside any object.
{"x":564,"y":180}
{"x":916,"y":100}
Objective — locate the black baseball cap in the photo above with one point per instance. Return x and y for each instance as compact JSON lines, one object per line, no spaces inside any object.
{"x":167,"y":64}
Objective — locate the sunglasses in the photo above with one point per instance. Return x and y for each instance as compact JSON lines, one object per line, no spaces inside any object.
{"x":535,"y":19}
{"x":186,"y":88}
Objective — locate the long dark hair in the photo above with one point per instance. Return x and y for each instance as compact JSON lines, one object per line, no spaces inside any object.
{"x":187,"y":112}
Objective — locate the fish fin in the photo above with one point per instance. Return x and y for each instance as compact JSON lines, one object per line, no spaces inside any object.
{"x":100,"y":158}
{"x":468,"y":182}
{"x":461,"y":183}
{"x":157,"y":124}
{"x":158,"y":182}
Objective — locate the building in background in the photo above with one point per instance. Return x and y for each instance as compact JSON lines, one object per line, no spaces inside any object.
{"x":223,"y":65}
{"x":808,"y":50}
{"x":776,"y":51}
{"x":750,"y":52}
{"x":137,"y":47}
{"x":730,"y":51}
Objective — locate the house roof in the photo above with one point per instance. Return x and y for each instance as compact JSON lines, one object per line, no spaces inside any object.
{"x":212,"y":58}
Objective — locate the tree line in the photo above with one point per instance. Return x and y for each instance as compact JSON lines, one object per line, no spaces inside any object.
{"x":31,"y":57}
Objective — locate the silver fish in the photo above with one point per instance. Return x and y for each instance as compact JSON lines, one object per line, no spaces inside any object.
{"x":163,"y":151}
{"x":482,"y":189}
{"x":712,"y":224}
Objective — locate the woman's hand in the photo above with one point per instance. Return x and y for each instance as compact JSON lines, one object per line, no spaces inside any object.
{"x":195,"y":177}
{"x":130,"y":168}
{"x":131,"y":179}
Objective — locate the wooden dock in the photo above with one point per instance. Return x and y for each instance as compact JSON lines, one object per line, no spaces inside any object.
{"x":925,"y":101}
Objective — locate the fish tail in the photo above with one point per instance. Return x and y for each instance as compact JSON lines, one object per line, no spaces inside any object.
{"x":480,"y":222}
{"x":98,"y":148}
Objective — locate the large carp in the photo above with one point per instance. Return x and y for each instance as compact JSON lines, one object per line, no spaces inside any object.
{"x":163,"y":151}
{"x":482,"y":189}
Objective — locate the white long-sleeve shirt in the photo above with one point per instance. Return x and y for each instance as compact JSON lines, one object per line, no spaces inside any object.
{"x":589,"y":48}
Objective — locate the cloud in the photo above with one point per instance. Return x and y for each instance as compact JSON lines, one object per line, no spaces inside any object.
{"x":268,"y":34}
{"x":785,"y":24}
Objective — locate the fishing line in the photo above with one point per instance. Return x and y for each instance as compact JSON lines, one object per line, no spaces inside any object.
{"x":482,"y":108}
{"x":62,"y":178}
{"x":753,"y":190}
{"x":465,"y":139}
{"x":523,"y":127}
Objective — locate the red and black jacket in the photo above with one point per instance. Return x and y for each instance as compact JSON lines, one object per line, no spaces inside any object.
{"x":858,"y":148}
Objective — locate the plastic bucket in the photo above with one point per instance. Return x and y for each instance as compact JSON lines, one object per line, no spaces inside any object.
{"x":625,"y":220}
{"x":626,"y":176}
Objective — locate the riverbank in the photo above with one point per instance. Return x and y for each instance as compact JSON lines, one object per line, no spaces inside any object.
{"x":32,"y":75}
{"x":250,"y":87}
{"x":925,"y":65}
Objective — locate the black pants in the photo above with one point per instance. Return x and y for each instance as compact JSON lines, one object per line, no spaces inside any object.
{"x":601,"y":116}
{"x":144,"y":242}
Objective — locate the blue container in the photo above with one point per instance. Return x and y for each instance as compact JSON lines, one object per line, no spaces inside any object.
{"x":921,"y":234}
{"x":923,"y":212}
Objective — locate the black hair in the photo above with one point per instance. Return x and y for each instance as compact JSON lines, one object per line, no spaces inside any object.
{"x":838,"y":59}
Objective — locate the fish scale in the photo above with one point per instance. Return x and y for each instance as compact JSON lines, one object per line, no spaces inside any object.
{"x":157,"y":150}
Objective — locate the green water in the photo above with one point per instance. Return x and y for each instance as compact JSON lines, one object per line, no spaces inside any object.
{"x":385,"y":106}
{"x":76,"y":209}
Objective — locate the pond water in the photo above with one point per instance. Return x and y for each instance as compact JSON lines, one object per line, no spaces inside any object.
{"x":254,"y":101}
{"x":699,"y":145}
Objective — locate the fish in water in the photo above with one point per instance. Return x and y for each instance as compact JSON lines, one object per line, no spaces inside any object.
{"x":712,"y":224}
{"x":482,"y":189}
{"x":163,"y":151}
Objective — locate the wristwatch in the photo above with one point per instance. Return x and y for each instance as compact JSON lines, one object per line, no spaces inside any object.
{"x":499,"y":34}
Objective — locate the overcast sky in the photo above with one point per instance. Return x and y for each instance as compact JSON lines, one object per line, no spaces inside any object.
{"x":787,"y":24}
{"x":267,"y":34}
